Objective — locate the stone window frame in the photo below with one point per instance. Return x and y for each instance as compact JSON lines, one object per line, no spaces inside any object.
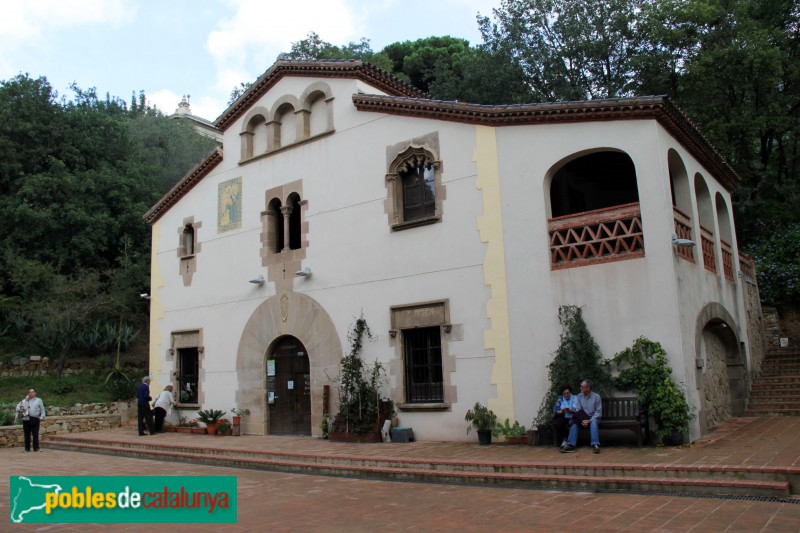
{"x":190,"y":338}
{"x":187,"y":262}
{"x":282,"y":265}
{"x":421,"y":151}
{"x":421,"y":315}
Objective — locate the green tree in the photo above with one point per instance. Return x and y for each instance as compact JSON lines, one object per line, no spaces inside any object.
{"x":421,"y":61}
{"x":569,"y":50}
{"x":313,"y":47}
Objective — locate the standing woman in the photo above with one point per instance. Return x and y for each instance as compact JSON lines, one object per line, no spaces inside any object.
{"x":32,"y":409}
{"x":162,"y":407}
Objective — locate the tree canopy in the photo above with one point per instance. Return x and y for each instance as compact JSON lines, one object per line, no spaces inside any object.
{"x":76,"y":178}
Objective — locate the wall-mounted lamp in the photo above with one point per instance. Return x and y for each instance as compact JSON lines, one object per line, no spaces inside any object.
{"x":258,"y":280}
{"x":393,"y":333}
{"x":303,"y":272}
{"x":144,"y":296}
{"x":447,"y":327}
{"x":682,"y":243}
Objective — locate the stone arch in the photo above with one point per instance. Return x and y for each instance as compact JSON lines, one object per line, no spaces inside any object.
{"x":284,"y":314}
{"x":316,"y":110}
{"x":407,"y":156}
{"x":254,"y":134}
{"x":705,"y":214}
{"x":721,"y":372}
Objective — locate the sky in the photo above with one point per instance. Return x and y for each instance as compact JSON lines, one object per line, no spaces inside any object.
{"x":202,"y":48}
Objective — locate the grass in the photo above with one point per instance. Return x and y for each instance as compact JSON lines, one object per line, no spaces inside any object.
{"x":66,"y":392}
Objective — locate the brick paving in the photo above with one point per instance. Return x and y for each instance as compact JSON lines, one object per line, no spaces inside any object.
{"x":274,"y":501}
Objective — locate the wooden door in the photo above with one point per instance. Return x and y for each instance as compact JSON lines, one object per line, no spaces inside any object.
{"x":289,"y":389}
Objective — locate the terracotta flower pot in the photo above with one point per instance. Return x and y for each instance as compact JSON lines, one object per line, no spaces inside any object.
{"x":211,"y":429}
{"x":237,"y":420}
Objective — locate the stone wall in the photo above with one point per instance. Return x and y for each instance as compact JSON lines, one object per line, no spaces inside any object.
{"x":717,"y":400}
{"x":782,"y":322}
{"x":756,"y":326}
{"x":76,"y":419}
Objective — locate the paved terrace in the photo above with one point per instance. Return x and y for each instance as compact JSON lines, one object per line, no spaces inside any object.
{"x":275,"y":501}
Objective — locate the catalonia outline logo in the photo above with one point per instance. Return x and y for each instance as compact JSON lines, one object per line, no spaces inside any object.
{"x":122,"y":499}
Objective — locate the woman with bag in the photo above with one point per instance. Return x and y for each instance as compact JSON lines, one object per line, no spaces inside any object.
{"x":32,"y":410}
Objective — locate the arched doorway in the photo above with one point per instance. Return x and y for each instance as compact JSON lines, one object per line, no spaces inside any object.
{"x":288,"y":388}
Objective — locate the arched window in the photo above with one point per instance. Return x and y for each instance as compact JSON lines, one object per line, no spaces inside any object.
{"x":286,"y":132}
{"x":275,"y":229}
{"x":295,"y":238}
{"x":594,"y":201}
{"x":415,"y":188}
{"x":187,"y":240}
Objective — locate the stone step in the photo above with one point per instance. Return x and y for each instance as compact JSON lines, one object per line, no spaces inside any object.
{"x":710,"y":479}
{"x":784,"y":352}
{"x":772,"y":403}
{"x":776,"y":380}
{"x":781,"y":359}
{"x":772,"y":412}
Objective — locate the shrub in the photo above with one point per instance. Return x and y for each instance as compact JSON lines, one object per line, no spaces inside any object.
{"x":644,"y":369}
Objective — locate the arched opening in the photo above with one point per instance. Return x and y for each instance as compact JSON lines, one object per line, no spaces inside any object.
{"x":287,"y":132}
{"x":257,"y":127}
{"x":681,"y":203}
{"x":275,"y":226}
{"x":722,"y":379}
{"x":319,"y":114}
{"x":295,"y":237}
{"x":705,"y":211}
{"x":725,"y":237}
{"x":593,"y":181}
{"x":288,"y":388}
{"x":594,"y":202}
{"x":187,"y":240}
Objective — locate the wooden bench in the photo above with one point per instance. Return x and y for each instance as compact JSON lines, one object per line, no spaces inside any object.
{"x":622,"y":412}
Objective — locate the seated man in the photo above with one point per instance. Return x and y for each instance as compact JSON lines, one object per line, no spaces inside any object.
{"x":562,"y":413}
{"x":589,"y":410}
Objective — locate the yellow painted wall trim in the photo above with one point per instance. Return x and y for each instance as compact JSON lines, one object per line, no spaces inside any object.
{"x":157,"y":351}
{"x":490,"y":228}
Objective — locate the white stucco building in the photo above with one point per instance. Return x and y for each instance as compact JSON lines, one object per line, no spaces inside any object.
{"x":457,"y":230}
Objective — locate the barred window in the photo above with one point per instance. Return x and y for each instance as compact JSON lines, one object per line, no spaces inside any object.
{"x":423,"y":363}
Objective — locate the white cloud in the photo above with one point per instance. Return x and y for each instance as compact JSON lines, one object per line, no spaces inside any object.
{"x":25,"y":24}
{"x":25,"y":21}
{"x":248,"y":42}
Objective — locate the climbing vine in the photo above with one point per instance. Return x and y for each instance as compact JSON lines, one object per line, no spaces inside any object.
{"x":577,"y":357}
{"x":361,"y":408}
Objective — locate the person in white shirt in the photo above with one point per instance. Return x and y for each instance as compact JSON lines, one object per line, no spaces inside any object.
{"x":162,"y":407}
{"x":32,"y":410}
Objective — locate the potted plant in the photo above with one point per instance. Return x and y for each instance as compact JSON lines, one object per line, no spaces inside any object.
{"x":224,"y":427}
{"x":185,"y":425}
{"x":238,"y":414}
{"x":514,"y":434}
{"x":482,"y":419}
{"x":210,"y":417}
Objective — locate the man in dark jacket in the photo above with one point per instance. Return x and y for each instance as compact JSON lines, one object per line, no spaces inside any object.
{"x":143,"y":403}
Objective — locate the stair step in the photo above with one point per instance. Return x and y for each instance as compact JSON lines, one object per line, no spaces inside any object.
{"x":758,"y":403}
{"x":772,"y":412}
{"x":706,"y":479}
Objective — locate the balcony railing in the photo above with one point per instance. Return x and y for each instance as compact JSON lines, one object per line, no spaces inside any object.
{"x":707,"y":244}
{"x":683,"y":229}
{"x":599,"y":236}
{"x":727,"y":260}
{"x":748,"y":266}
